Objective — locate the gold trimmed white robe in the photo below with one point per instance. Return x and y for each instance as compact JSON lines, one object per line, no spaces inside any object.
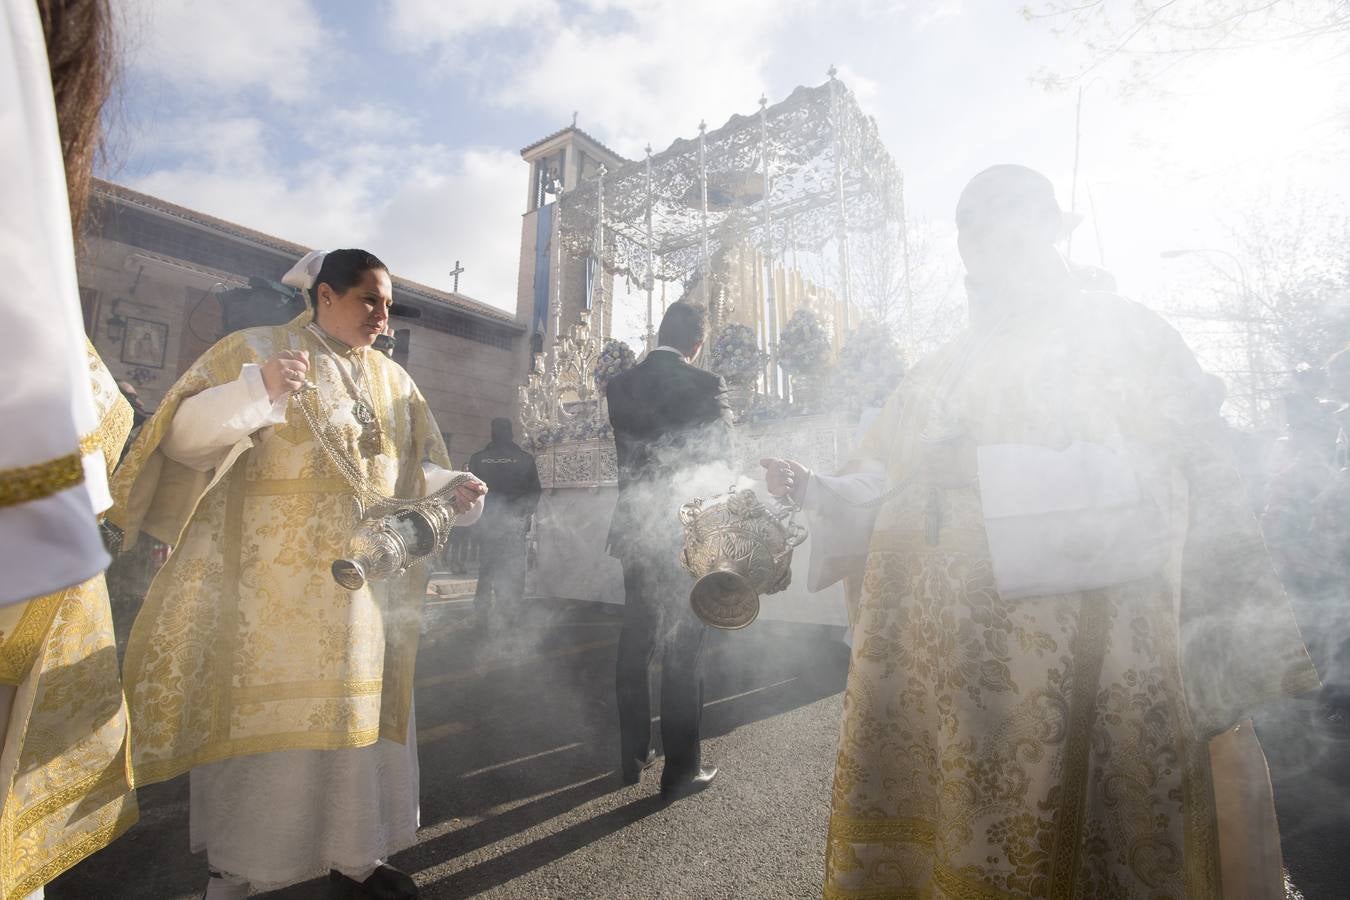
{"x":63,"y":767}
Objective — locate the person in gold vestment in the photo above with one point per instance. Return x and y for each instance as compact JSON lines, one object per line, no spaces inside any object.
{"x":288,"y":696}
{"x":1067,"y":609}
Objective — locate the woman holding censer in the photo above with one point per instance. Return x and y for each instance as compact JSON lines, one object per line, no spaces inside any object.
{"x":287,"y":696}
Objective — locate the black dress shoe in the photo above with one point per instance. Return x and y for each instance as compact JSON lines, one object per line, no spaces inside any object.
{"x":633,"y":768}
{"x":385,"y":883}
{"x":685,"y":786}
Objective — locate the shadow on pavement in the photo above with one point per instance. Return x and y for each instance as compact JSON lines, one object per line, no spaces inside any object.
{"x":516,"y":728}
{"x":501,"y":869}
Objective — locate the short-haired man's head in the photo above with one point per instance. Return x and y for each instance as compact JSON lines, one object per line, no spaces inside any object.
{"x":501,"y":431}
{"x":683,"y":327}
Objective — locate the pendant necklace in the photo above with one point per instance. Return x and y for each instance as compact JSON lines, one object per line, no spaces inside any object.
{"x":362,"y":410}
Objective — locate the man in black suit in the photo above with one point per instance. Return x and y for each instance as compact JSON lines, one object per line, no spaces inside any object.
{"x":669,"y":418}
{"x":513,"y":480}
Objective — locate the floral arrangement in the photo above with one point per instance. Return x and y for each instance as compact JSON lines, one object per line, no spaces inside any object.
{"x":870,"y":367}
{"x":582,"y":428}
{"x":803,"y":345}
{"x":615,"y":358}
{"x":735,"y":352}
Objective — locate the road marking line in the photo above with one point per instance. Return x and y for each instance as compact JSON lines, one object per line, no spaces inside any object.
{"x":767,"y":687}
{"x":511,"y":762}
{"x":438,"y":732}
{"x":479,"y":671}
{"x":441,"y":828}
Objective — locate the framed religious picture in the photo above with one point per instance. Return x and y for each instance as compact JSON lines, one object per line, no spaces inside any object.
{"x":143,"y":342}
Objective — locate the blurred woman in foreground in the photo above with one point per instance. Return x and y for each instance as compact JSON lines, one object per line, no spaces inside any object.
{"x":63,"y":768}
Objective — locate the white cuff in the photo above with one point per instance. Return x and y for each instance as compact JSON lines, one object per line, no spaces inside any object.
{"x":208,"y":424}
{"x":251,"y":374}
{"x":435,"y":477}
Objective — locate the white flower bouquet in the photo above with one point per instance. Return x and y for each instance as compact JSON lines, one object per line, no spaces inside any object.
{"x":735,"y":352}
{"x":803,"y":345}
{"x":615,"y":358}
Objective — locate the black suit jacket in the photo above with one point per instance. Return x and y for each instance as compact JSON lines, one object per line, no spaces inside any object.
{"x":668,"y":416}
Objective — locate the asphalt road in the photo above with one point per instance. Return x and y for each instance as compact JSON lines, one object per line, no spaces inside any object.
{"x":521,"y":797}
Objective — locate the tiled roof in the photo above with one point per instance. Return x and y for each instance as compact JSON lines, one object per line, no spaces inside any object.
{"x":127,"y":196}
{"x":590,"y":137}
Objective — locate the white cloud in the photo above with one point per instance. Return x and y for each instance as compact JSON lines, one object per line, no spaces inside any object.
{"x":423,"y":24}
{"x":867,"y":91}
{"x":418,"y":207}
{"x":936,"y":11}
{"x":269,"y":45}
{"x":458,"y":205}
{"x":369,"y":120}
{"x":636,"y":70}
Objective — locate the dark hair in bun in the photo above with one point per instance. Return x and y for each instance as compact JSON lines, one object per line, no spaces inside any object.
{"x":342,"y":269}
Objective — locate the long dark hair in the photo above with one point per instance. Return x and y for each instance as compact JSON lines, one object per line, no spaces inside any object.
{"x":80,"y":54}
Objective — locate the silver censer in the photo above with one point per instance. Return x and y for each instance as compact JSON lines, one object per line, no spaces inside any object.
{"x":737,"y":548}
{"x":388,"y":541}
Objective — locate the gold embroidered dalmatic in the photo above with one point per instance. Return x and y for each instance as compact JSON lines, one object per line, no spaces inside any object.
{"x":245,"y":643}
{"x":67,"y":787}
{"x":1054,"y":746}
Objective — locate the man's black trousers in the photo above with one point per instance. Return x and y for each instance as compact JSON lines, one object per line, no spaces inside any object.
{"x":657,"y":623}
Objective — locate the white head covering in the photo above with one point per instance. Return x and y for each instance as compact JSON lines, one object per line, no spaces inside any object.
{"x":303,"y":273}
{"x":49,"y":490}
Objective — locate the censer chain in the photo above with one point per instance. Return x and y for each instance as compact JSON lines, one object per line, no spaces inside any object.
{"x":366,"y":496}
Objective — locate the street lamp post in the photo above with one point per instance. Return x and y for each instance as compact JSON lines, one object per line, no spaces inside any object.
{"x":1248,"y":315}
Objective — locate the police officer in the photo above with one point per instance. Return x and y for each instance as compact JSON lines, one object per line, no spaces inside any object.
{"x":513,"y":486}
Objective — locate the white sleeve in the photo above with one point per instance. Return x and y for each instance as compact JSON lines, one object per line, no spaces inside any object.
{"x":208,"y":424}
{"x":49,"y":492}
{"x":841,"y":526}
{"x":435,"y":477}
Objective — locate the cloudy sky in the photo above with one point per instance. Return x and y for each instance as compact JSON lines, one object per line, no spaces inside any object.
{"x":397,"y":124}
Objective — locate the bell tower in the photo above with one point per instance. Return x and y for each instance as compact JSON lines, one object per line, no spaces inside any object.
{"x":558,"y":164}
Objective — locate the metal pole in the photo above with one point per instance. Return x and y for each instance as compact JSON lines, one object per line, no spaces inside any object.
{"x":1073,"y":185}
{"x":558,"y":289}
{"x":771,"y":332}
{"x":837,"y":123}
{"x":651,"y":258}
{"x":703,"y":200}
{"x":598,"y":277}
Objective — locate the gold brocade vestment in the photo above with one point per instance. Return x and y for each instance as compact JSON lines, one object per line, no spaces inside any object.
{"x":1050,"y":746}
{"x":245,"y":643}
{"x":67,"y":786}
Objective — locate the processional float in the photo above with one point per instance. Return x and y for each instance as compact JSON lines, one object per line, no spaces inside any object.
{"x":722,"y":217}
